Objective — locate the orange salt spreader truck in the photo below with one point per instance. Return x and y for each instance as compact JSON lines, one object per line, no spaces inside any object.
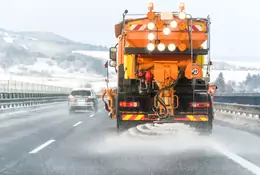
{"x":161,"y":74}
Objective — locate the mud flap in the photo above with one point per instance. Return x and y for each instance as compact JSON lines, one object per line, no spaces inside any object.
{"x":106,"y":106}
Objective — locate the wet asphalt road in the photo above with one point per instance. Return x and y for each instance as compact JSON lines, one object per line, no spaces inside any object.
{"x":49,"y":141}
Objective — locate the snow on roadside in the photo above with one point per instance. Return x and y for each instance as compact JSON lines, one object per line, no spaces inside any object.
{"x":104,"y":55}
{"x":26,"y":48}
{"x":248,"y":64}
{"x":236,"y":119}
{"x":234,"y":75}
{"x":8,"y":39}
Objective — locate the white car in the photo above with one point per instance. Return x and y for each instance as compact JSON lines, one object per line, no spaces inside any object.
{"x":82,"y":99}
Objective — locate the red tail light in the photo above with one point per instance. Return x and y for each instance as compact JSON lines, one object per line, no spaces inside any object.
{"x":129,"y":104}
{"x":140,"y":74}
{"x":199,"y":105}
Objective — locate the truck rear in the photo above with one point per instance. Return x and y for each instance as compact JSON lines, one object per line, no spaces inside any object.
{"x":161,"y":74}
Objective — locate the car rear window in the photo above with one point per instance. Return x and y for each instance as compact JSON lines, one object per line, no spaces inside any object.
{"x":81,"y":93}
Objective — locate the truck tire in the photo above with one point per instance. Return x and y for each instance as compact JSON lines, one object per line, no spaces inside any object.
{"x":122,"y":126}
{"x":206,"y":128}
{"x":119,"y":127}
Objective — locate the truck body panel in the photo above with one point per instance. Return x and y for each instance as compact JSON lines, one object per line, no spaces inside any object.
{"x":162,"y":75}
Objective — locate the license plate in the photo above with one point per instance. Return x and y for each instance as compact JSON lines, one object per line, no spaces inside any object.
{"x":81,"y":100}
{"x":81,"y":103}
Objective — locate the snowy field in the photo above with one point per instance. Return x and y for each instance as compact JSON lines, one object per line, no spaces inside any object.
{"x":235,"y":75}
{"x":253,"y":64}
{"x":232,"y":70}
{"x":99,"y":54}
{"x":72,"y":80}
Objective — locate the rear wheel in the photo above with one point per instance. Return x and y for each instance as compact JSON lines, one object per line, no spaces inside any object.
{"x":122,"y":126}
{"x":118,"y":127}
{"x":205,"y":128}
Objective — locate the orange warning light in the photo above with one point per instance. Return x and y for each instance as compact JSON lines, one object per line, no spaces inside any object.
{"x":182,"y":26}
{"x":182,"y":6}
{"x":151,"y":15}
{"x":150,"y":6}
{"x":182,"y":47}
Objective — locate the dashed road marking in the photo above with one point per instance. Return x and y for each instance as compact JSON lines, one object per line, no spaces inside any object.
{"x":239,"y":160}
{"x":41,"y":146}
{"x":77,"y":124}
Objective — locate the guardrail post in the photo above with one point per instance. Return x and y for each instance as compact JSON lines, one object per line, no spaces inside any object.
{"x":22,"y":87}
{"x":8,"y":86}
{"x":15,"y":86}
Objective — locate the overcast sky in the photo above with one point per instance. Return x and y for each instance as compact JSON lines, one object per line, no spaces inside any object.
{"x":235,"y":23}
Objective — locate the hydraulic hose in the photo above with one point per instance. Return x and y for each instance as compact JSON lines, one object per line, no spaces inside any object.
{"x":166,"y":114}
{"x":102,"y":97}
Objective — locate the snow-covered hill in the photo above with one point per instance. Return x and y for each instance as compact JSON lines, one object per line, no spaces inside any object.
{"x":234,"y":70}
{"x":45,"y":54}
{"x":52,"y":59}
{"x":46,"y":43}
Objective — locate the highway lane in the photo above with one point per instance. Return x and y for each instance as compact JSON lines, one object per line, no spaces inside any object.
{"x":24,"y":131}
{"x":51,"y":141}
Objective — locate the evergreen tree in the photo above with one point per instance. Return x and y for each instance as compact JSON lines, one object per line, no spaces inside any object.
{"x":248,"y":78}
{"x":220,"y":82}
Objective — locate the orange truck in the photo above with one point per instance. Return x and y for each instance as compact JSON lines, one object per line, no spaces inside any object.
{"x":161,"y":74}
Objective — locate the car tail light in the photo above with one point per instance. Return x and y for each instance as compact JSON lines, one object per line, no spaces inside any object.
{"x":199,"y":105}
{"x":129,"y":104}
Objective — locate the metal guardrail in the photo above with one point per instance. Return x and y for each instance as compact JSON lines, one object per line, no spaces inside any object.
{"x":238,"y":109}
{"x":239,"y":98}
{"x":9,"y":86}
{"x":238,"y":94}
{"x":17,"y":94}
{"x":16,"y":100}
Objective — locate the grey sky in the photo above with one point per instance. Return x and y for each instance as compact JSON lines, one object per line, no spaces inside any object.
{"x":235,"y":23}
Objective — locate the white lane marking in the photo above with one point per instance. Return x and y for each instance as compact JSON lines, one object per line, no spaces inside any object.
{"x":76,"y":124}
{"x":243,"y":162}
{"x":41,"y":146}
